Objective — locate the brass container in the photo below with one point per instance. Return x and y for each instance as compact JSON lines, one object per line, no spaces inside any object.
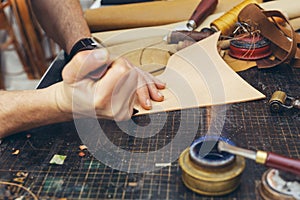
{"x":266,"y":188}
{"x":213,"y":178}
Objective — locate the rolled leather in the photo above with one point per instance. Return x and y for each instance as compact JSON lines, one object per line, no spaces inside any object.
{"x":139,"y":14}
{"x":155,"y":13}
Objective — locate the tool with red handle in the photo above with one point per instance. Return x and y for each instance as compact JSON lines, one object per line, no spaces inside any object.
{"x":204,"y":9}
{"x":268,"y":159}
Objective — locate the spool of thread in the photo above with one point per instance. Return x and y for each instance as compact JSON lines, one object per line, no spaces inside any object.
{"x":249,"y":47}
{"x":226,"y":22}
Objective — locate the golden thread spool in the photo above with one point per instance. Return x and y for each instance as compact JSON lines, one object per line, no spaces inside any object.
{"x":226,"y":22}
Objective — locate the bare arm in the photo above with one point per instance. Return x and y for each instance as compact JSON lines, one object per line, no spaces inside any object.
{"x":111,"y":97}
{"x":62,"y":20}
{"x":22,"y":110}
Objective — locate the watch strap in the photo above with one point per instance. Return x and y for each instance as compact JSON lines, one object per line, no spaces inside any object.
{"x":82,"y":45}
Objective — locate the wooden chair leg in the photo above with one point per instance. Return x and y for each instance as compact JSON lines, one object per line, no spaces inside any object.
{"x":29,"y":46}
{"x":6,"y":24}
{"x":2,"y":85}
{"x":35,"y":43}
{"x":25,"y":40}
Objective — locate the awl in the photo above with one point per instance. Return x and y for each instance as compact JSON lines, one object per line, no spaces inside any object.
{"x":202,"y":11}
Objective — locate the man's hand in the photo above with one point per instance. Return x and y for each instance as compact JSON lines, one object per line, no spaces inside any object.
{"x":113,"y":96}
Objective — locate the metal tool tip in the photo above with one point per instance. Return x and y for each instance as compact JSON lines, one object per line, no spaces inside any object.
{"x":224,"y":146}
{"x":191,"y":25}
{"x":221,"y":146}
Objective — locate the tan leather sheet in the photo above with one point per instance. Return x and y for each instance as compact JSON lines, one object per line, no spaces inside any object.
{"x":288,"y":7}
{"x":196,"y":76}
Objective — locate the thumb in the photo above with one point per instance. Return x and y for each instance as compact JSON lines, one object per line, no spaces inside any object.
{"x":83,"y":63}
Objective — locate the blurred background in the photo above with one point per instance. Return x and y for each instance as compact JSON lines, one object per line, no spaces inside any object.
{"x":20,"y":69}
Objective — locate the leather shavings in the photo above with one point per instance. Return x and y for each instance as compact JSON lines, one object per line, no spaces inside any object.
{"x":16,"y":152}
{"x":82,"y":147}
{"x":81,"y":154}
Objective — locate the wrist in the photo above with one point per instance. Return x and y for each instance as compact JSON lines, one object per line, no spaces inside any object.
{"x":61,"y":102}
{"x":83,"y":44}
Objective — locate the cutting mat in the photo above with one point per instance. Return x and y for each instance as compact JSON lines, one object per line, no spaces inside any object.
{"x":250,"y":125}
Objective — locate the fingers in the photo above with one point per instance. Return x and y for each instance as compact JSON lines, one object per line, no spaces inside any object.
{"x":116,"y":92}
{"x":112,"y":96}
{"x":158,"y":83}
{"x":148,"y":89}
{"x":84,"y":63}
{"x":124,"y":96}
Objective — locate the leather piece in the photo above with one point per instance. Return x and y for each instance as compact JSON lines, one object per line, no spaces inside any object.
{"x":295,"y":24}
{"x":149,"y":59}
{"x":197,"y":76}
{"x":290,"y":8}
{"x":236,"y":64}
{"x":149,"y":54}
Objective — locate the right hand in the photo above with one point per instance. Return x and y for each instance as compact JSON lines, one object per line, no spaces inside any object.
{"x":113,"y":96}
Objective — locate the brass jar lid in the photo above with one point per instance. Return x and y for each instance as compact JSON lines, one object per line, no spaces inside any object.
{"x":215,"y":178}
{"x":273,"y":187}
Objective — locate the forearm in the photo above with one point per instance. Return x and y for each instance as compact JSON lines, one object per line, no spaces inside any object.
{"x":23,"y":110}
{"x":62,"y":20}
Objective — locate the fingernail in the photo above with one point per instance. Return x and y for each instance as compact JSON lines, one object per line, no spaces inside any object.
{"x":159,"y":94}
{"x":148,"y":103}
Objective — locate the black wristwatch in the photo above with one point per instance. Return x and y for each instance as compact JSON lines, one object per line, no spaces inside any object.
{"x":84,"y":44}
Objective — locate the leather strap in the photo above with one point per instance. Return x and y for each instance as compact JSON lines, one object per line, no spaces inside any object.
{"x":284,"y":41}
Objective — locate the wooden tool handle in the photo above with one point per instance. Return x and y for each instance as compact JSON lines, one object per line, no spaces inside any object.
{"x":177,"y":36}
{"x":283,"y":163}
{"x":204,"y":8}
